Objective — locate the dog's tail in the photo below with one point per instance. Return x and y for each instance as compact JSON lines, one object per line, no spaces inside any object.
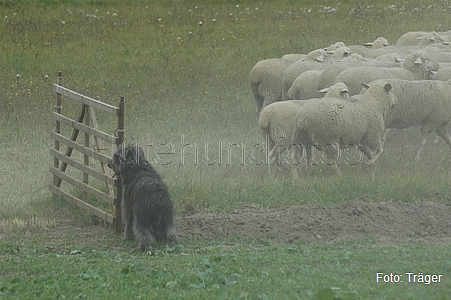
{"x":166,"y":231}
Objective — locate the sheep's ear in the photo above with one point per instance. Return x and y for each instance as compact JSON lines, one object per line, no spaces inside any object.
{"x":365,"y":85}
{"x":325,"y":90}
{"x":418,"y":61}
{"x":320,"y":58}
{"x":368,"y":44}
{"x":344,"y":91}
{"x":388,"y":87}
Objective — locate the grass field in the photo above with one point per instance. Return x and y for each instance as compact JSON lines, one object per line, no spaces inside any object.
{"x":183,"y":69}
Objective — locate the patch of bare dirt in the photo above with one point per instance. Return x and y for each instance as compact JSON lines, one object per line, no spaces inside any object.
{"x":386,"y":221}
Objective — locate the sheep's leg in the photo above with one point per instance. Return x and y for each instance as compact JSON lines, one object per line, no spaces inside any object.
{"x":295,"y":154}
{"x":424,"y":139}
{"x":271,"y":161}
{"x":309,"y":155}
{"x":298,"y":151}
{"x":259,"y":101}
{"x":378,"y":152}
{"x":384,"y":136}
{"x":274,"y":160}
{"x":281,"y":149}
{"x":332,"y":154}
{"x":443,"y":133}
{"x":367,"y":151}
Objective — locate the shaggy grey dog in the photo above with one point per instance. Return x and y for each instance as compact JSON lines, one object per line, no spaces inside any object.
{"x":147,"y":208}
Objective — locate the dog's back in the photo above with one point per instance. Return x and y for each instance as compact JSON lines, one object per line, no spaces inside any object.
{"x":147,"y":206}
{"x":152,"y":201}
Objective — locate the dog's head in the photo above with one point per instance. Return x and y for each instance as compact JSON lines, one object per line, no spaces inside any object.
{"x":130,"y":155}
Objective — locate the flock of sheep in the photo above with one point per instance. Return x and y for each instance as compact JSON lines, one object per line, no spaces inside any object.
{"x":342,"y":95}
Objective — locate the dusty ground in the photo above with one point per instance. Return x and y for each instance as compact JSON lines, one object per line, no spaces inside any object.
{"x":385,"y":221}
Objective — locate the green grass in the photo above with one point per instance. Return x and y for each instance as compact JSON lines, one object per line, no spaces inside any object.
{"x":223,"y":269}
{"x":186,"y":86}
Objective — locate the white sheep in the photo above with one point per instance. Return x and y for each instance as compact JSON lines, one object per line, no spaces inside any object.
{"x":403,"y":51}
{"x":276,"y":123}
{"x":328,"y":75}
{"x":340,"y":53}
{"x":315,"y":60}
{"x":432,"y":40}
{"x":415,"y":38}
{"x":444,"y":73}
{"x":416,"y":66}
{"x":294,"y":57}
{"x":305,"y":86}
{"x":266,"y":81}
{"x":334,"y":47}
{"x":380,"y":42}
{"x":441,"y":55}
{"x":425,"y":103}
{"x":338,"y":90}
{"x":334,"y":124}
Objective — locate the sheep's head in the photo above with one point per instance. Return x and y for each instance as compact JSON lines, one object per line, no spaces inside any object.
{"x":338,"y":90}
{"x":334,"y":47}
{"x":431,"y":67}
{"x":318,"y":55}
{"x":341,"y":52}
{"x":428,"y":66}
{"x":429,"y":39}
{"x":386,"y":88}
{"x":380,"y":42}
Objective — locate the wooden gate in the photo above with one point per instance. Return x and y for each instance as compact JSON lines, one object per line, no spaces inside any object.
{"x":87,"y":124}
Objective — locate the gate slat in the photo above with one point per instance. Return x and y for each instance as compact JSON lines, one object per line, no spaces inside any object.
{"x":83,"y":128}
{"x":82,"y":149}
{"x":86,"y":206}
{"x":85,"y":99}
{"x":81,"y":167}
{"x":83,"y":186}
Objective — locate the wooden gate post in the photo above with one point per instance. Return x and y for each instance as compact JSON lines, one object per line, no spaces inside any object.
{"x":120,"y":140}
{"x":57,"y":128}
{"x":86,"y":157}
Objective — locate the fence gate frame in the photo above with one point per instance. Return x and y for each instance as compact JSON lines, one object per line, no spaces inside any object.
{"x":89,"y":128}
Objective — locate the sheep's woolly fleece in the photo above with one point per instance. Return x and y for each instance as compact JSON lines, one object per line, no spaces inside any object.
{"x":425,"y":103}
{"x":276,"y":120}
{"x":315,"y":60}
{"x":416,"y":66}
{"x":341,"y":122}
{"x":266,"y":81}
